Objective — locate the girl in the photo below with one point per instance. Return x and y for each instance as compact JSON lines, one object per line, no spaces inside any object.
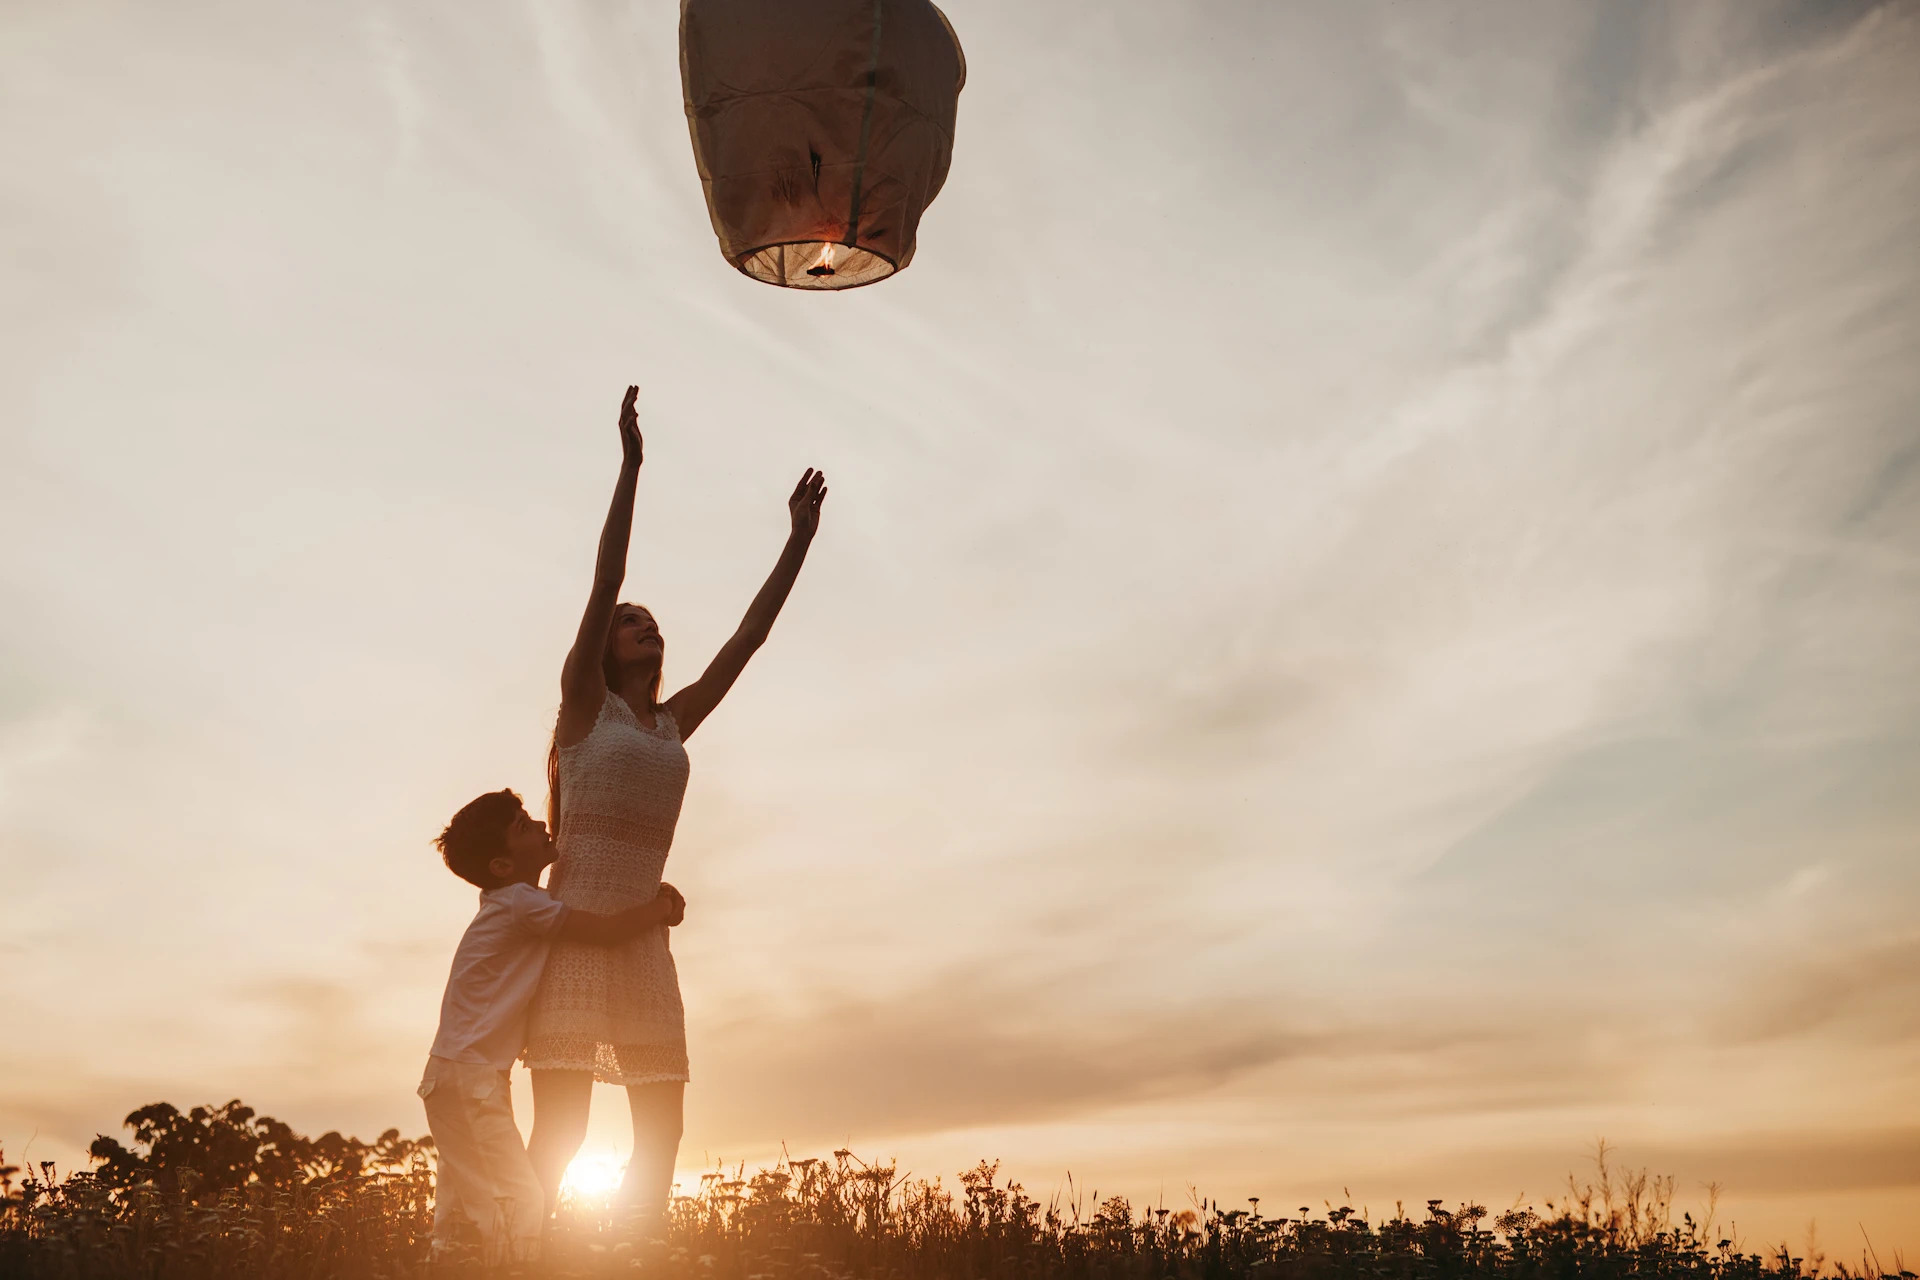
{"x":616,"y":774}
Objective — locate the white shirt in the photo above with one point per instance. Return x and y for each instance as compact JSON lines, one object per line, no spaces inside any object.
{"x":496,"y":969}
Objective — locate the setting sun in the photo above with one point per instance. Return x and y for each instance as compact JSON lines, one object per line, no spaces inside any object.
{"x":594,"y":1174}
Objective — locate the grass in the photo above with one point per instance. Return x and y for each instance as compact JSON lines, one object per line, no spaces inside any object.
{"x":221,"y":1192}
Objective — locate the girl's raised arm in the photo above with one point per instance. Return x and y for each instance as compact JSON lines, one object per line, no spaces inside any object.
{"x":583,"y":682}
{"x":695,"y":702}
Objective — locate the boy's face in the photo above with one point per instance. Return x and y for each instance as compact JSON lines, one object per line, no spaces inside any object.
{"x":529,"y":849}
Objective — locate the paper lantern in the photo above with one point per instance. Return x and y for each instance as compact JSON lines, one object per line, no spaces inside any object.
{"x":821,"y":129}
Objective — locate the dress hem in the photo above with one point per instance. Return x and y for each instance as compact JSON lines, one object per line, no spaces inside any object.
{"x":604,"y":1077}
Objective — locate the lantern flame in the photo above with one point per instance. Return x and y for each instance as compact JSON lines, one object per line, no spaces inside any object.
{"x":824,"y":267}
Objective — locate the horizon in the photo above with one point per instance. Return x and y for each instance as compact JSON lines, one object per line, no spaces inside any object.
{"x":1365,"y":635}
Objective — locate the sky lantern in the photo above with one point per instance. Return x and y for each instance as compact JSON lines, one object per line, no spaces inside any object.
{"x":822,"y":130}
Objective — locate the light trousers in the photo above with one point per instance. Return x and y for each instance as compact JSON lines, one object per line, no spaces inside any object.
{"x":482,"y":1174}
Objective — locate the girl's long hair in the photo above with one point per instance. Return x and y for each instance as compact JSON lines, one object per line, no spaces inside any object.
{"x":609,"y":668}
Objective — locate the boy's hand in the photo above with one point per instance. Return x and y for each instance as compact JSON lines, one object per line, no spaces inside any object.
{"x":664,"y":910}
{"x":678,"y":910}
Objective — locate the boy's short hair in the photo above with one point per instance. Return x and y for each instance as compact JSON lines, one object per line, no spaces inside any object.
{"x":477,"y":835}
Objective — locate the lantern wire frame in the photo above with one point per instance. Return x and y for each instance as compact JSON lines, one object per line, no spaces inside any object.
{"x":793,"y":265}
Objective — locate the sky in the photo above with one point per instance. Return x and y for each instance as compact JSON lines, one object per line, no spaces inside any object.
{"x":1365,"y":638}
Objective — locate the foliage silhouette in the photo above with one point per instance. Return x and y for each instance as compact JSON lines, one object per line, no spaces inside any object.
{"x":222,"y":1192}
{"x":231,"y":1146}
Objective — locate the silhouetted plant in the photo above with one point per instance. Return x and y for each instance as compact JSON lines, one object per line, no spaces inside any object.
{"x":232,"y":1146}
{"x":220,"y":1192}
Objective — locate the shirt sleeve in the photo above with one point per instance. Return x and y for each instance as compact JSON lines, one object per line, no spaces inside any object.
{"x":537,"y":912}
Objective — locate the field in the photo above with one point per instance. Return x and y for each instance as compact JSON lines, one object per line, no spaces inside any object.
{"x":222,"y":1192}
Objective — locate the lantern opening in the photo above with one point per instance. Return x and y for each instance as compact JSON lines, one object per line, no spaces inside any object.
{"x":815,"y":264}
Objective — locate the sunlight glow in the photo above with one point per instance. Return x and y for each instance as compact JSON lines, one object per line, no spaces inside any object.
{"x":594,"y":1174}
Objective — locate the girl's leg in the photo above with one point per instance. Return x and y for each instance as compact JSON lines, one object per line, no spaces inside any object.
{"x":560,"y":1102}
{"x":656,"y":1143}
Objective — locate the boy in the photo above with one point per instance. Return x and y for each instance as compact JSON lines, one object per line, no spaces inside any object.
{"x":483,"y":1173}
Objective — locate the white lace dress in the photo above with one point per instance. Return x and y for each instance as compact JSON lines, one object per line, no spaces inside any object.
{"x":614,"y":1011}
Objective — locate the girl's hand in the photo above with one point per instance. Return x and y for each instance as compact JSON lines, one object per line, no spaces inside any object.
{"x":632,"y":447}
{"x":804,"y":505}
{"x":678,"y":910}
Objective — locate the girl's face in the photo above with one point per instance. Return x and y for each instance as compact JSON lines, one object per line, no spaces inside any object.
{"x":636,"y":636}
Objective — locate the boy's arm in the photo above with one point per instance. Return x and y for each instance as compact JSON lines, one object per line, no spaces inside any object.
{"x":600,"y":930}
